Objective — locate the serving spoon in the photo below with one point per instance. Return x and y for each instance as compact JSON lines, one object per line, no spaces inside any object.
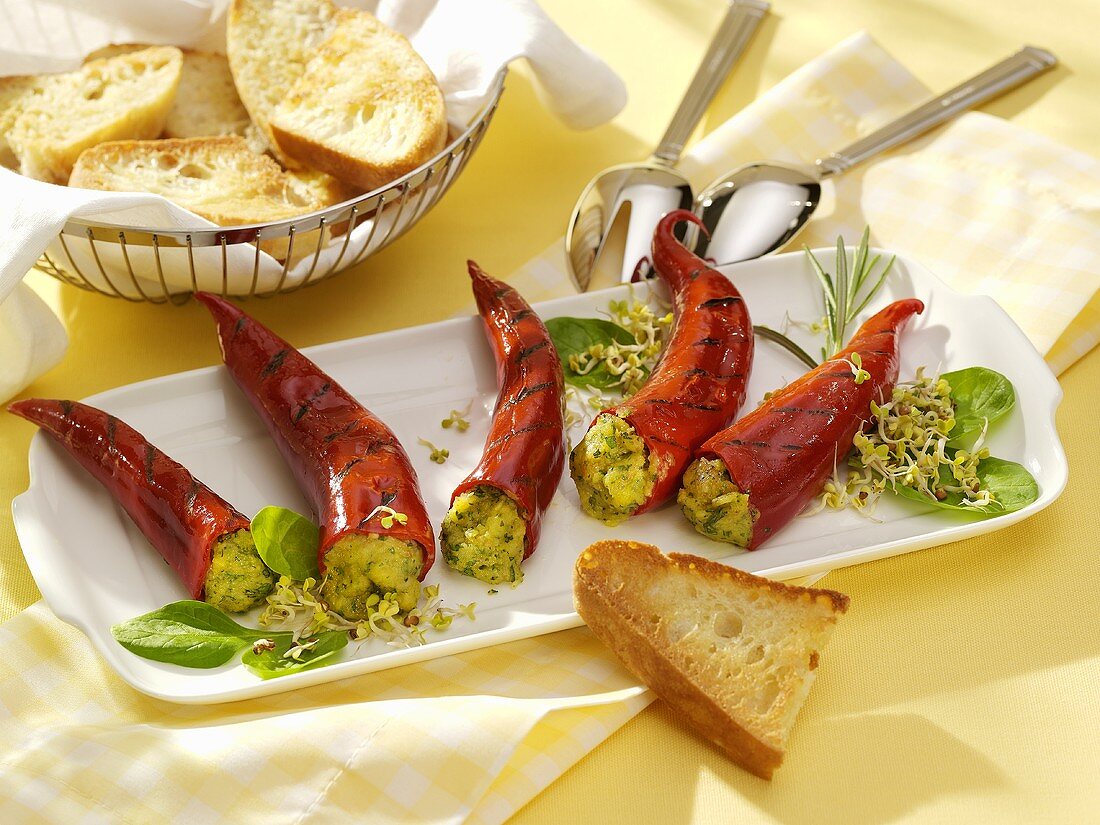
{"x":757,"y":208}
{"x":652,"y":188}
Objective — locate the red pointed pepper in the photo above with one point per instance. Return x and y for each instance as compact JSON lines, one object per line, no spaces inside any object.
{"x":699,"y":384}
{"x":525,"y":450}
{"x":346,"y":461}
{"x":782,"y":453}
{"x":180,"y":515}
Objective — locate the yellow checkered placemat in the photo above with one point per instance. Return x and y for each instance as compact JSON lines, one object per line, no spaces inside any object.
{"x":987,"y":206}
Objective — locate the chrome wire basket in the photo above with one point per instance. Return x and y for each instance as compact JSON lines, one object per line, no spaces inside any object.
{"x":142,"y":263}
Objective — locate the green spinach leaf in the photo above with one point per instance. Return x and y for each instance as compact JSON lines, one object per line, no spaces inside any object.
{"x":573,"y":336}
{"x":287,"y":542}
{"x":1012,"y":486}
{"x":269,"y":664}
{"x":979,"y":394}
{"x":186,"y":633}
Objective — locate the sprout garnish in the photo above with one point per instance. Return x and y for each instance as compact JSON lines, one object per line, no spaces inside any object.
{"x":908,"y":447}
{"x":458,"y":419}
{"x":389,"y":516}
{"x":298,"y":607}
{"x":439,"y":454}
{"x":630,"y":363}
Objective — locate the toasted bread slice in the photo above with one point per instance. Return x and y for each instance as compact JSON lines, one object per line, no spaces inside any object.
{"x":15,"y":92}
{"x":269,"y":43}
{"x":112,"y":98}
{"x":734,"y":653}
{"x":207,"y":103}
{"x":366,"y":110}
{"x":218,"y":178}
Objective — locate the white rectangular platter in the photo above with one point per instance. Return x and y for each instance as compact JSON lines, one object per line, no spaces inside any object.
{"x":95,"y":569}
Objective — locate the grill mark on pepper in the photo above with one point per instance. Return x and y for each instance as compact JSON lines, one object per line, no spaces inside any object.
{"x":192,"y":492}
{"x":66,"y":407}
{"x":531,"y":350}
{"x":527,"y":392}
{"x":275,"y":362}
{"x":542,"y":425}
{"x":237,"y":327}
{"x":307,"y":405}
{"x":523,"y":313}
{"x":708,"y":342}
{"x":791,"y":447}
{"x":347,"y":428}
{"x":684,"y":404}
{"x":150,"y":454}
{"x":112,"y":425}
{"x":695,"y":371}
{"x":737,"y":442}
{"x":806,"y":411}
{"x":668,"y":441}
{"x":503,"y":292}
{"x":342,"y":474}
{"x":729,"y":300}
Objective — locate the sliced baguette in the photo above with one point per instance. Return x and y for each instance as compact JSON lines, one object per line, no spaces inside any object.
{"x":268,"y":43}
{"x":206,"y":104}
{"x":734,"y":653}
{"x":112,"y":98}
{"x":366,"y":110}
{"x":15,"y":93}
{"x":217,"y":178}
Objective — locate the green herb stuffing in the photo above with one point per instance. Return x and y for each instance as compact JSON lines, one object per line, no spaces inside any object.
{"x":237,"y":579}
{"x":713,"y":503}
{"x":610,"y":467}
{"x":363,"y":565}
{"x":484,"y":536}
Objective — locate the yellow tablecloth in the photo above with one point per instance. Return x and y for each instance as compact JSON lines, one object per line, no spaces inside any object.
{"x":969,"y":672}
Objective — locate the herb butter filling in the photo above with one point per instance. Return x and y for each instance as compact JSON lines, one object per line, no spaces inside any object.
{"x":611,"y":470}
{"x":483,"y":536}
{"x":237,"y":580}
{"x":359,"y":566}
{"x":714,"y":504}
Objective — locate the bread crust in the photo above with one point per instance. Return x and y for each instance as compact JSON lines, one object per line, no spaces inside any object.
{"x":604,"y":612}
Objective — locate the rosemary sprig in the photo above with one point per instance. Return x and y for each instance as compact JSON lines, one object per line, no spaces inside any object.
{"x":845,"y":294}
{"x":842,"y":291}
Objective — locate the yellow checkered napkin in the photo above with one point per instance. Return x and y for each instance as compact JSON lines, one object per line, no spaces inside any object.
{"x":464,"y":738}
{"x":985,"y":205}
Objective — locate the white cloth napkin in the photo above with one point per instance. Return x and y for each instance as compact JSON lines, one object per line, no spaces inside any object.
{"x":466,"y":43}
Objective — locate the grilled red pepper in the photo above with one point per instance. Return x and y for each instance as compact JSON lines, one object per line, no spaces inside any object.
{"x":695,"y":390}
{"x":781,"y":454}
{"x":524,"y":452}
{"x":181,"y":516}
{"x":347,"y":462}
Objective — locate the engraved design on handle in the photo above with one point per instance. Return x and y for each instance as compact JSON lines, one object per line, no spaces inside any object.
{"x":739,"y":25}
{"x":1006,"y":75}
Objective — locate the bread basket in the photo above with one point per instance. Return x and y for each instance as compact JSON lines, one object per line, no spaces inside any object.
{"x":166,"y":265}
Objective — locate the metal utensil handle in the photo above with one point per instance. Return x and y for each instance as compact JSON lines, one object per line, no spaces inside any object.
{"x":1006,"y":75}
{"x":740,"y":23}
